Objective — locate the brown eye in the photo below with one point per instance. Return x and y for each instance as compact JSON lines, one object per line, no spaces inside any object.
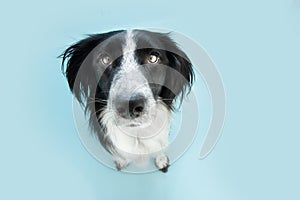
{"x":153,"y":58}
{"x":105,"y":59}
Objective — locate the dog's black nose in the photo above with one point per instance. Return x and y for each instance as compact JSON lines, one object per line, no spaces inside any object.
{"x":132,"y":108}
{"x":136,"y":105}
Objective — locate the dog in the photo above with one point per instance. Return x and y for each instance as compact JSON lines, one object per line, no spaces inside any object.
{"x":128,"y":82}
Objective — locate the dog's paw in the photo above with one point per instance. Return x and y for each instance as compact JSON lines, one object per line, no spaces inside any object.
{"x":162,"y":163}
{"x":121,"y":164}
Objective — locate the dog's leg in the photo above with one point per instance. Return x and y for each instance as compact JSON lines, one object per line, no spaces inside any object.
{"x":121,"y":163}
{"x":162,"y":162}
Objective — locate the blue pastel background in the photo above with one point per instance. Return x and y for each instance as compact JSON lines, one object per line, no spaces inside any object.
{"x":256,"y":46}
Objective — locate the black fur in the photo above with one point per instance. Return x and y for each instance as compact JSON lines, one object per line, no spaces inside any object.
{"x":76,"y":54}
{"x":81,"y":83}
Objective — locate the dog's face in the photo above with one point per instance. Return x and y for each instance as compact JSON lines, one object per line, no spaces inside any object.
{"x":128,"y":78}
{"x":133,"y":76}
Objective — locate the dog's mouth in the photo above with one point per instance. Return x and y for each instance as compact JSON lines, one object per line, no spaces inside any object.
{"x":134,"y":124}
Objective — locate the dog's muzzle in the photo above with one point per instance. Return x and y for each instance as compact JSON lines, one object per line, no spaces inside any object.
{"x":132,"y":107}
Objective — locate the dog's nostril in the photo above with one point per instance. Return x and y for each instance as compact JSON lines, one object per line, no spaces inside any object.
{"x":138,"y":109}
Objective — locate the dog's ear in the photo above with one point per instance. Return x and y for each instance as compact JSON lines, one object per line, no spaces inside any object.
{"x":79,"y":68}
{"x":179,"y":78}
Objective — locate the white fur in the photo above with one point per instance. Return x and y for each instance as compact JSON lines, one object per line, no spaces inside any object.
{"x":128,"y":52}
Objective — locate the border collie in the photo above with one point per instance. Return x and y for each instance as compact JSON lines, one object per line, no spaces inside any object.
{"x":128,"y":82}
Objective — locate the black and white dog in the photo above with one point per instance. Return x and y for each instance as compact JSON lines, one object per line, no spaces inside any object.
{"x":128,"y":82}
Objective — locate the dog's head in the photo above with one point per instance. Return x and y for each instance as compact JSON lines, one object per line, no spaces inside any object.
{"x":126,"y":74}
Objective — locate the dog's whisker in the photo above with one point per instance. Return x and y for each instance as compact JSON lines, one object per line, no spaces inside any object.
{"x":165,"y":99}
{"x":96,"y":101}
{"x":96,"y":112}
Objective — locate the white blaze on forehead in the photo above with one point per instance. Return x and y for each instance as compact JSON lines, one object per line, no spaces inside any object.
{"x":130,"y":79}
{"x":128,"y":52}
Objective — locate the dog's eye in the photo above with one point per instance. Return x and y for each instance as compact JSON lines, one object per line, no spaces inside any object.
{"x":105,"y":59}
{"x":153,"y":58}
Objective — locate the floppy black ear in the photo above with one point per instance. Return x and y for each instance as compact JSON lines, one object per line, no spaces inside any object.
{"x":85,"y":81}
{"x":179,"y":77}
